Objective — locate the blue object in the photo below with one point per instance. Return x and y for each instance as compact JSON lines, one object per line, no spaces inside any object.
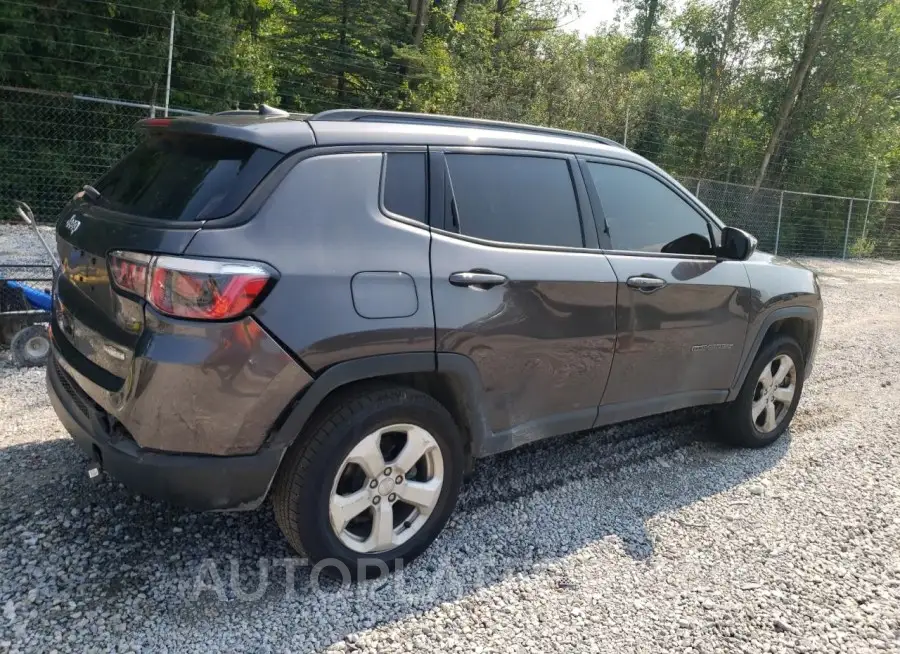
{"x":37,"y":298}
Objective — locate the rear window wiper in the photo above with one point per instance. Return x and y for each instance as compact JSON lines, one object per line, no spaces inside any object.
{"x":91,"y":192}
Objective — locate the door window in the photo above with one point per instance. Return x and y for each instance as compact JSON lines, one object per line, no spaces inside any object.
{"x":515,"y":199}
{"x":643,"y":214}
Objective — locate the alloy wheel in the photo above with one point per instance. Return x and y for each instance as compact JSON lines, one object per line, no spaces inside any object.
{"x":774,"y":393}
{"x":386,"y":488}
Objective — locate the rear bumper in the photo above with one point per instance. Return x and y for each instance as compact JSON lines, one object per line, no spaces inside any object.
{"x":194,"y":481}
{"x":189,"y":387}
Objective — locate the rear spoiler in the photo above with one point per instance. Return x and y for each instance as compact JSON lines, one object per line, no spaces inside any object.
{"x":281,"y":133}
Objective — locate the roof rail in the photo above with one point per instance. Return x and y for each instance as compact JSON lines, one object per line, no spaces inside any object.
{"x":376,"y":115}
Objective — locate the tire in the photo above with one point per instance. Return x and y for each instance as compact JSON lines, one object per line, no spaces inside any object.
{"x":9,"y":327}
{"x":30,"y":346}
{"x":309,"y":479}
{"x":736,"y":421}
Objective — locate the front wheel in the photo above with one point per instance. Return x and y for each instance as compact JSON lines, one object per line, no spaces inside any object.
{"x":372,"y":482}
{"x":769,"y":397}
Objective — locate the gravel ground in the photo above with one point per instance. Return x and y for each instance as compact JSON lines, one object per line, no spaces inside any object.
{"x":647,"y":537}
{"x":20,"y":245}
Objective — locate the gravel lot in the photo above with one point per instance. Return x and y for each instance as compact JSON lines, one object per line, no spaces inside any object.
{"x":647,"y":537}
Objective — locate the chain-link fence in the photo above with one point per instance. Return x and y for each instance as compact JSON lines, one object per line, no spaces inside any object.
{"x":805,"y":224}
{"x":64,"y":62}
{"x":54,"y":143}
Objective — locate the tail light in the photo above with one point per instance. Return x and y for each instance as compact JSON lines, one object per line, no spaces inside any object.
{"x":200,"y":289}
{"x":129,"y":271}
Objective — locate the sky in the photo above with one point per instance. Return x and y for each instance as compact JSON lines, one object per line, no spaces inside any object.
{"x":593,"y":13}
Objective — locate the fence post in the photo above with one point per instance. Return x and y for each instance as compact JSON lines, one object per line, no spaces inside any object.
{"x":169,"y":71}
{"x":847,"y":230}
{"x":697,"y":192}
{"x":869,"y":203}
{"x":778,"y":226}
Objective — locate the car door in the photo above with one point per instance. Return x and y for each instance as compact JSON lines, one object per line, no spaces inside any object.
{"x":517,"y":292}
{"x":682,"y":313}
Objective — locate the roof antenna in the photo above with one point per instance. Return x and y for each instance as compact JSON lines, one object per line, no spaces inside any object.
{"x":266,"y":110}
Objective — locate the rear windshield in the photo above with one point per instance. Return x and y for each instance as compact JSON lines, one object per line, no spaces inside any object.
{"x":178,"y":176}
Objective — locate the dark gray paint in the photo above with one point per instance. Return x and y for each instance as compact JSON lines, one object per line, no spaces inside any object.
{"x":292,"y":134}
{"x":384,"y":294}
{"x":412,"y":134}
{"x":96,"y":318}
{"x":704,"y":302}
{"x":219,"y":386}
{"x":318,"y":229}
{"x":543,"y":342}
{"x":199,"y":481}
{"x":609,"y":414}
{"x":782,"y":289}
{"x":201,"y":388}
{"x":274,"y":132}
{"x":361,"y":133}
{"x":384,"y":116}
{"x":808,"y":316}
{"x":209,"y":388}
{"x":341,"y":374}
{"x":564,"y":343}
{"x":778,"y":281}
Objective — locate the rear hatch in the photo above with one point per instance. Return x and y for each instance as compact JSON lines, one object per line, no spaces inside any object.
{"x":152,"y":202}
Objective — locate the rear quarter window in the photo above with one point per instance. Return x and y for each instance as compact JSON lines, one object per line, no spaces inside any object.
{"x":406,"y":185}
{"x":182,"y":177}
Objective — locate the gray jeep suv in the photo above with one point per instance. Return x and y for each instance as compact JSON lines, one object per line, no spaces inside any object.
{"x":340,"y":312}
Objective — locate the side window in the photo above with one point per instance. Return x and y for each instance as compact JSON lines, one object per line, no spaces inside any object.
{"x":405,"y":185}
{"x":645,"y":215}
{"x":515,"y":199}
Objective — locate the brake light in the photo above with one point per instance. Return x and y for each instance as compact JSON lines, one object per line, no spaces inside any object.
{"x":129,"y":271}
{"x":205,"y":290}
{"x":199,"y":289}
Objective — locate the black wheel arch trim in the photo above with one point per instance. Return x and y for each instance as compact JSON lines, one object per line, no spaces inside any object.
{"x":461,"y":371}
{"x":806,"y":313}
{"x":469,"y":393}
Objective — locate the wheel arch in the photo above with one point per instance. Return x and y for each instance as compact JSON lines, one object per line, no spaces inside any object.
{"x":799,"y":322}
{"x":452,"y":379}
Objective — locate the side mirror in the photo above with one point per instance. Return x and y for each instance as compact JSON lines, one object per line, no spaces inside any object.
{"x":737,"y":244}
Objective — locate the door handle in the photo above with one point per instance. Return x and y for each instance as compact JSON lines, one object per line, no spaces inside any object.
{"x":646,"y":283}
{"x":482,"y":280}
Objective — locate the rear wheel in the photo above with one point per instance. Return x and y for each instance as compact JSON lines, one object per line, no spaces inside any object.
{"x":769,"y":397}
{"x":372,"y":482}
{"x":30,"y":346}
